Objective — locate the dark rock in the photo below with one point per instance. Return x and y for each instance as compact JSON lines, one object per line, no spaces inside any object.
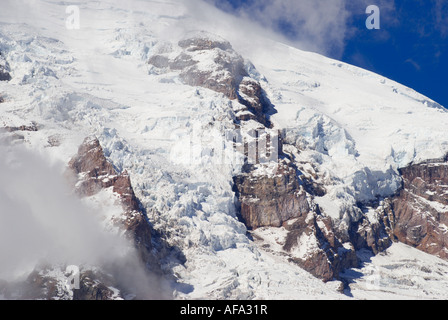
{"x":377,"y":235}
{"x":328,"y":257}
{"x":203,"y":42}
{"x":182,"y":61}
{"x":159,"y":61}
{"x":420,"y":211}
{"x":33,"y":127}
{"x":280,"y":200}
{"x":252,"y":96}
{"x":4,"y":69}
{"x":227,"y":74}
{"x":4,"y":75}
{"x":95,"y":173}
{"x":39,"y":286}
{"x":269,"y":201}
{"x":92,"y":286}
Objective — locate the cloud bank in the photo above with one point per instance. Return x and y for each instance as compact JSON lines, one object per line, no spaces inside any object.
{"x":43,"y":223}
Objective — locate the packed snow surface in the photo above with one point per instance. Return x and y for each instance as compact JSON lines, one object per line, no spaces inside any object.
{"x":355,"y":127}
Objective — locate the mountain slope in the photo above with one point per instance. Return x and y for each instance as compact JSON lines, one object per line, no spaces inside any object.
{"x":162,"y":98}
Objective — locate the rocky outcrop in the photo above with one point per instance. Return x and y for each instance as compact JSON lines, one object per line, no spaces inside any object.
{"x":210,"y":62}
{"x":375,"y":230}
{"x":314,"y":246}
{"x":13,"y":134}
{"x":94,"y":286}
{"x":95,"y":173}
{"x":4,"y":69}
{"x":269,"y":201}
{"x":271,"y":193}
{"x":33,"y":127}
{"x":91,"y":166}
{"x":420,"y":211}
{"x":281,"y":200}
{"x":52,"y":283}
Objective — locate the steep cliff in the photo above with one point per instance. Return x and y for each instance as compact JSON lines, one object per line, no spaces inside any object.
{"x":95,"y":173}
{"x":421,"y":208}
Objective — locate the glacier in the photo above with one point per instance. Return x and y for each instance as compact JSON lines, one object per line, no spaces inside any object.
{"x":350,"y":129}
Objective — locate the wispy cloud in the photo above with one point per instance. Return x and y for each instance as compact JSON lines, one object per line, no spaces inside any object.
{"x":319,"y":25}
{"x":42,"y":222}
{"x":440,"y":13}
{"x":414,"y":64}
{"x":323,"y":26}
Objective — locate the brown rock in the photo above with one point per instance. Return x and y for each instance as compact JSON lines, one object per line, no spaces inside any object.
{"x":420,"y":210}
{"x":329,"y":257}
{"x":199,"y":42}
{"x":270,"y":201}
{"x":92,"y":287}
{"x":33,"y":127}
{"x":377,"y":236}
{"x":252,"y":96}
{"x":227,"y":74}
{"x":95,"y":173}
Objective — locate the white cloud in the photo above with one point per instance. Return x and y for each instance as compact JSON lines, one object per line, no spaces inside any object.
{"x":317,"y":25}
{"x":441,"y":17}
{"x":41,"y":221}
{"x":323,"y":26}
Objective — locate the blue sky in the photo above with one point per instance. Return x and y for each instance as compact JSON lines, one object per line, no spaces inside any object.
{"x":411,"y":47}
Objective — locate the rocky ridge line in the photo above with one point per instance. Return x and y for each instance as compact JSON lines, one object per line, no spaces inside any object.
{"x":284,"y":198}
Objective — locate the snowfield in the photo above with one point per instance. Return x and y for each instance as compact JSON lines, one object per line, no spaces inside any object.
{"x":352,"y":128}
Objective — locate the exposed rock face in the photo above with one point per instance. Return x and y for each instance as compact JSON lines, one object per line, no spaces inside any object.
{"x":91,"y":288}
{"x":211,"y":62}
{"x":4,"y":69}
{"x":198,"y":43}
{"x":251,"y":95}
{"x":269,"y":201}
{"x":95,"y":173}
{"x":280,"y":200}
{"x":376,"y":232}
{"x":11,"y":135}
{"x":40,"y":286}
{"x":314,"y":246}
{"x":421,"y":208}
{"x":268,"y":197}
{"x":284,"y":199}
{"x":33,"y":127}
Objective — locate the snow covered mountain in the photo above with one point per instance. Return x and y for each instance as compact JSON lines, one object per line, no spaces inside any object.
{"x":157,"y":147}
